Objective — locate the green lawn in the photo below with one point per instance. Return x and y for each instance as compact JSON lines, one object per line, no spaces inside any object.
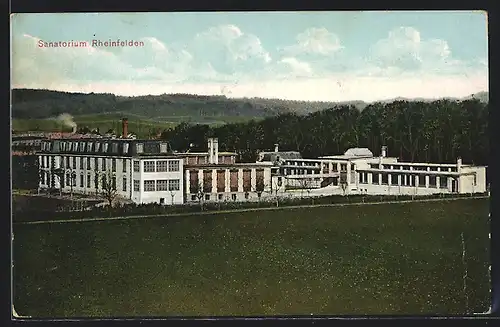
{"x":372,"y":259}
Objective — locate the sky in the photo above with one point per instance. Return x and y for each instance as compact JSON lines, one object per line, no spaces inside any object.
{"x":313,"y":56}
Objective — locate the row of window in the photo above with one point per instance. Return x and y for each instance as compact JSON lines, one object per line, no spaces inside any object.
{"x":97,"y":182}
{"x":103,"y":164}
{"x":84,"y":163}
{"x":151,"y":166}
{"x":404,"y":180}
{"x":415,"y":168}
{"x":159,"y":185}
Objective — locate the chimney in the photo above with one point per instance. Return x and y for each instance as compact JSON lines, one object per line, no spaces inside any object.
{"x":124,"y":128}
{"x":276,"y":147}
{"x":384,"y":151}
{"x":215,"y":151}
{"x":459,"y":163}
{"x":210,"y":149}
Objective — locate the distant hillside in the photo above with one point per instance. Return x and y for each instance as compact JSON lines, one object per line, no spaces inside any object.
{"x":28,"y":104}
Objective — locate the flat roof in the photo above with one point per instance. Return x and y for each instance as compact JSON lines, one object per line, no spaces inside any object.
{"x":416,"y":172}
{"x":234,"y":165}
{"x":194,"y":154}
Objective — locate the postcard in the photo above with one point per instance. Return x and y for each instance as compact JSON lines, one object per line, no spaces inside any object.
{"x":250,"y":164}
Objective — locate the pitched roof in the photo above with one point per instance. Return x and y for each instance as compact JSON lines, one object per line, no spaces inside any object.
{"x":358,"y":152}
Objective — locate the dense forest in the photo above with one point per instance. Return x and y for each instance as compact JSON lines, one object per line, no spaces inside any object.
{"x":437,"y":131}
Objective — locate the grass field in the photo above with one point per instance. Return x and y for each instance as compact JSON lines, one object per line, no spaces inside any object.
{"x":372,"y":259}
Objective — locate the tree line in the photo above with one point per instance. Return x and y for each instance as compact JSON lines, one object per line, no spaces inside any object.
{"x":415,"y":131}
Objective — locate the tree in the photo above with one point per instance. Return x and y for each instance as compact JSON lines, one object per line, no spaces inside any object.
{"x":172,"y":195}
{"x":275,"y":184}
{"x":108,"y":187}
{"x":343,"y":182}
{"x":197,"y":189}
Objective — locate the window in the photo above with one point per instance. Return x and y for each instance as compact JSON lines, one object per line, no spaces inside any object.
{"x":81,"y":180}
{"x":88,"y":163}
{"x":73,"y":178}
{"x":88,"y":180}
{"x":443,"y":182}
{"x":173,"y":165}
{"x":125,"y":148}
{"x":149,"y":166}
{"x":174,"y":185}
{"x":162,"y":200}
{"x":193,"y":197}
{"x":105,"y":147}
{"x":136,"y":185}
{"x":149,"y":186}
{"x":89,"y":146}
{"x":375,"y":178}
{"x":162,"y":165}
{"x":113,"y":182}
{"x":432,"y":181}
{"x":124,"y":184}
{"x":163,"y":147}
{"x":246,"y":196}
{"x":207,"y":197}
{"x":114,"y":147}
{"x":136,"y":166}
{"x":103,"y":164}
{"x":233,"y":196}
{"x":385,"y":178}
{"x":81,"y":165}
{"x":113,"y":164}
{"x":421,"y":180}
{"x":96,"y":164}
{"x":124,"y":165}
{"x":220,"y":196}
{"x":162,"y":185}
{"x":96,"y":181}
{"x":139,"y":148}
{"x":104,"y":181}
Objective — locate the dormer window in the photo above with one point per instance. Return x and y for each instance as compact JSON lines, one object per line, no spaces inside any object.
{"x":97,"y":146}
{"x":140,"y":148}
{"x":163,"y":147}
{"x":125,"y":147}
{"x":89,"y":146}
{"x":114,"y":147}
{"x":105,"y":147}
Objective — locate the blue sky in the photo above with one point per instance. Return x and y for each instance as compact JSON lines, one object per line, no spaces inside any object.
{"x":295,"y":55}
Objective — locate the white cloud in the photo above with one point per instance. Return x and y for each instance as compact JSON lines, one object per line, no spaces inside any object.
{"x":296,"y":66}
{"x":224,"y":59}
{"x":318,"y":41}
{"x":228,"y":50}
{"x":405,"y":49}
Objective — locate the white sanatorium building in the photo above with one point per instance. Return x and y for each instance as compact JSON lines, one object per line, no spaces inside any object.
{"x":147,"y":171}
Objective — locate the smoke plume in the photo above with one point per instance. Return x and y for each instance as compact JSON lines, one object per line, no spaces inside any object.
{"x":67,"y":120}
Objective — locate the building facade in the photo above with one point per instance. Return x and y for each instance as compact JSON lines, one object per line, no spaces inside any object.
{"x":149,"y":171}
{"x":358,"y":171}
{"x":141,"y":171}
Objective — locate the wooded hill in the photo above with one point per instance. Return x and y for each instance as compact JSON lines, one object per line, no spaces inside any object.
{"x":29,"y":104}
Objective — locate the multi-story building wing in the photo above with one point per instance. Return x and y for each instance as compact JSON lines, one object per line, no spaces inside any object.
{"x":142,"y":171}
{"x":358,"y":171}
